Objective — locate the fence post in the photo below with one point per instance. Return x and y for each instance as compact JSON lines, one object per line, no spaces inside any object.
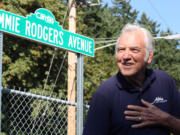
{"x":1,"y":52}
{"x":79,"y":94}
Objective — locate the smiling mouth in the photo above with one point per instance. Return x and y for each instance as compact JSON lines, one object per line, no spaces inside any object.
{"x":127,"y":65}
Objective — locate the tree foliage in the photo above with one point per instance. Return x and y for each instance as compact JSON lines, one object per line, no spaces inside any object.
{"x":167,"y":58}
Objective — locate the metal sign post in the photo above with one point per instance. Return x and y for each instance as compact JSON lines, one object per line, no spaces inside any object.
{"x":79,"y":94}
{"x":1,"y":52}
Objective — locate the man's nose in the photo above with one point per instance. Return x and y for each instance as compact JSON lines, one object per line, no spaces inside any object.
{"x":127,"y":55}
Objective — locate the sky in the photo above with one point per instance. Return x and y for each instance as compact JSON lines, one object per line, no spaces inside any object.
{"x":164,"y":12}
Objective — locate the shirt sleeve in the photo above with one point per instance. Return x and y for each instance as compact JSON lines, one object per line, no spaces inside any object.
{"x":98,"y":118}
{"x":175,"y":105}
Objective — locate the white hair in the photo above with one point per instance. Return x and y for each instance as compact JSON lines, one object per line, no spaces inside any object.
{"x":149,"y":41}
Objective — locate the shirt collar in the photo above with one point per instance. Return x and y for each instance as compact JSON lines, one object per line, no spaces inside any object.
{"x":125,"y":85}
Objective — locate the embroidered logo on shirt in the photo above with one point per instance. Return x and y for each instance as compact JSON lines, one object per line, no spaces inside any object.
{"x":159,"y":100}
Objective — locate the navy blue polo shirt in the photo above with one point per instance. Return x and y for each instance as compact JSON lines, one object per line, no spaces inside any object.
{"x":106,"y":113}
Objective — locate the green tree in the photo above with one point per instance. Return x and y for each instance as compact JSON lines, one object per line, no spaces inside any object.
{"x":151,"y":25}
{"x":167,"y":58}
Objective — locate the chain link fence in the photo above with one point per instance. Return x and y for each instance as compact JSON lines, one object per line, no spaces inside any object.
{"x":25,"y":113}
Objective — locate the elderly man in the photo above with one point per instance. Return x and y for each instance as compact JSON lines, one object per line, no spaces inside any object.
{"x":137,"y":100}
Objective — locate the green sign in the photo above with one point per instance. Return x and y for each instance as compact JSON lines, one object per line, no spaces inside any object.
{"x":42,"y":27}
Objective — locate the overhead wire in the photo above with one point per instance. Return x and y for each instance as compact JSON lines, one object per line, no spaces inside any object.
{"x":113,"y":38}
{"x":51,"y":63}
{"x":98,"y":48}
{"x":105,"y":38}
{"x":104,"y":41}
{"x":109,"y":40}
{"x":59,"y":71}
{"x":18,"y":8}
{"x":158,"y":13}
{"x":65,"y":16}
{"x":169,"y":37}
{"x":54,"y":52}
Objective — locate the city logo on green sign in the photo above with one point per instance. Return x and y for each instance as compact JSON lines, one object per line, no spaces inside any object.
{"x":42,"y":27}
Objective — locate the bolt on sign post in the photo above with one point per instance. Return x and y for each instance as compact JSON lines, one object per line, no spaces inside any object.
{"x":42,"y":27}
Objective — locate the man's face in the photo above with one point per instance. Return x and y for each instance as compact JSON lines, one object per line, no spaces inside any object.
{"x":131,"y":52}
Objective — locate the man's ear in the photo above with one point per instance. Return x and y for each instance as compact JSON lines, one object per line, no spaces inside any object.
{"x":150,"y":57}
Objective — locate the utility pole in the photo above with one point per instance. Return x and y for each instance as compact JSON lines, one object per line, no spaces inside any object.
{"x":71,"y":129}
